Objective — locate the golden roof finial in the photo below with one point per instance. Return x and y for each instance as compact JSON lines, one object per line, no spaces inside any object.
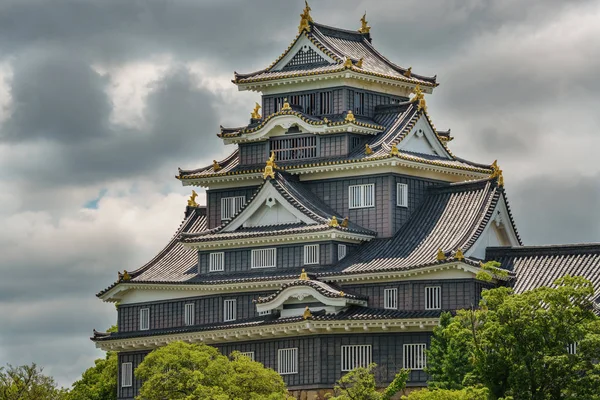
{"x":255,"y":114}
{"x":269,"y":171}
{"x":394,"y":151}
{"x":420,"y":97}
{"x":497,"y":173}
{"x":408,"y":72}
{"x":359,"y":63}
{"x":216,"y":166}
{"x":441,"y":256}
{"x":192,"y":199}
{"x":307,"y":314}
{"x":364,"y":26}
{"x":459,"y":255}
{"x":342,"y":294}
{"x":348,"y":62}
{"x":286,"y":106}
{"x":350,"y":117}
{"x":368,"y":150}
{"x":334,"y":222}
{"x":303,"y":275}
{"x":344,"y":223}
{"x":305,"y":18}
{"x":125,"y":277}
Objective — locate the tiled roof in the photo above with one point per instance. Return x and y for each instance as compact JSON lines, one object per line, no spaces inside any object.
{"x":326,"y":289}
{"x":174,"y":262}
{"x":340,"y":44}
{"x":537,"y":266}
{"x":451,"y":217}
{"x":353,"y":313}
{"x":299,"y":197}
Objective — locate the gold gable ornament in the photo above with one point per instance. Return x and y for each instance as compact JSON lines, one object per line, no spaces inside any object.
{"x":124,"y":277}
{"x":368,"y":150}
{"x":305,"y":18}
{"x":334,"y":222}
{"x":359,"y":63}
{"x":497,"y":173}
{"x":350,"y":117}
{"x":307,"y":314}
{"x":441,"y":256}
{"x":255,"y":114}
{"x":408,"y":72}
{"x":459,"y":255}
{"x":286,"y":106}
{"x":342,"y":294}
{"x":344,"y":223}
{"x":192,"y":200}
{"x":269,"y":171}
{"x":348,"y":62}
{"x":394,"y":151}
{"x":303,"y":275}
{"x":420,"y":98}
{"x":216,"y":166}
{"x":364,"y":25}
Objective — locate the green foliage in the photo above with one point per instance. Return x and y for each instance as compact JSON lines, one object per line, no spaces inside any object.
{"x":517,"y":344}
{"x":359,"y":384}
{"x":98,"y":382}
{"x":468,"y":393}
{"x":27,"y":382}
{"x":182,"y":371}
{"x":489,"y":270}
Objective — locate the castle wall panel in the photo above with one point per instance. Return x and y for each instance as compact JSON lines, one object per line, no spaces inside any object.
{"x":136,"y":358}
{"x":253,"y":153}
{"x":213,"y":202}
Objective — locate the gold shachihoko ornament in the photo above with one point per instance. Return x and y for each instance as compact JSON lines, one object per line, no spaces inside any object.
{"x":255,"y":114}
{"x":364,"y":25}
{"x":269,"y":171}
{"x":192,"y":199}
{"x":305,"y":18}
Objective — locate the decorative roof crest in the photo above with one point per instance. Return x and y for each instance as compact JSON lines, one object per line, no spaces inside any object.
{"x":216,"y":166}
{"x":286,"y":106}
{"x":350,"y":117}
{"x":342,"y":294}
{"x":344,"y":223}
{"x":334,"y":222}
{"x":497,"y":173}
{"x":348,"y":62}
{"x":124,"y":277}
{"x":394,"y":151}
{"x":368,"y":150}
{"x":420,"y":97}
{"x":408,"y":72}
{"x":305,"y":18}
{"x":459,"y":255}
{"x":364,"y":25}
{"x":441,"y":256}
{"x":359,"y":62}
{"x":303,"y":275}
{"x":269,"y":171}
{"x":255,"y":114}
{"x":307,"y":314}
{"x":192,"y":200}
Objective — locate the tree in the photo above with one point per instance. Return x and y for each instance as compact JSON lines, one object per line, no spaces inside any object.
{"x":519,"y":344}
{"x":190,"y":371}
{"x":99,"y":382}
{"x":359,"y":384}
{"x":27,"y":382}
{"x":468,"y":393}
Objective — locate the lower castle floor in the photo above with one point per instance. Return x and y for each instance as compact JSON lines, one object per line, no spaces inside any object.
{"x":310,"y":365}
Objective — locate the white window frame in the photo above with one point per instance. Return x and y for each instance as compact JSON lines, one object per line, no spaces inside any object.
{"x":362,"y":199}
{"x":126,"y":374}
{"x":433,"y":298}
{"x":572,"y":348}
{"x":259,"y":258}
{"x":356,"y":356}
{"x":216,"y":262}
{"x":230,"y":206}
{"x":249,"y":354}
{"x":414,"y":356}
{"x":144,"y":319}
{"x":287,"y":361}
{"x":402,"y":194}
{"x":311,"y":254}
{"x":390,"y":299}
{"x":342,"y":251}
{"x":229,"y":310}
{"x":189,"y":314}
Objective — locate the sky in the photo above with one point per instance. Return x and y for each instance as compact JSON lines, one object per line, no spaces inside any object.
{"x":102,"y":100}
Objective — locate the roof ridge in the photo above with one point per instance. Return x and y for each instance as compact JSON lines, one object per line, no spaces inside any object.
{"x":552,"y":249}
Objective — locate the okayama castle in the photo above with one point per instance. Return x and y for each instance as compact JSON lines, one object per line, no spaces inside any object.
{"x":335,"y":233}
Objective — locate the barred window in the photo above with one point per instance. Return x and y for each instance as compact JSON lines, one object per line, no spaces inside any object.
{"x":267,"y":312}
{"x":415,"y":357}
{"x":402,"y":195}
{"x":287,"y":361}
{"x":306,"y":55}
{"x":189,"y":314}
{"x":229,"y":310}
{"x":144,"y":319}
{"x":249,"y":354}
{"x":230,"y":206}
{"x":126,"y":374}
{"x":311,"y":254}
{"x":294,"y":148}
{"x":361,"y":196}
{"x":216,"y":262}
{"x":433,"y":298}
{"x":264,"y":258}
{"x":341,"y":251}
{"x":356,"y":356}
{"x":390,"y":299}
{"x":572,"y":348}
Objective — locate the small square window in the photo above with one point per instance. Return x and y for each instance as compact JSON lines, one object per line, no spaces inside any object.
{"x":216,"y":262}
{"x":390,"y":299}
{"x":402,"y":195}
{"x":311,"y":254}
{"x":144,"y":319}
{"x":126,"y":374}
{"x":341,"y":251}
{"x":433,"y":299}
{"x":229,"y":310}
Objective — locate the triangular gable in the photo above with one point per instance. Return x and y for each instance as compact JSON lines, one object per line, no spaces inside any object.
{"x":268,"y":208}
{"x":303,"y":52}
{"x":423,"y":140}
{"x":499,"y":231}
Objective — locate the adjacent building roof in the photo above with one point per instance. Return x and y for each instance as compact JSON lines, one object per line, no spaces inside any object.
{"x":339,"y":45}
{"x":537,"y":266}
{"x":451,"y":217}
